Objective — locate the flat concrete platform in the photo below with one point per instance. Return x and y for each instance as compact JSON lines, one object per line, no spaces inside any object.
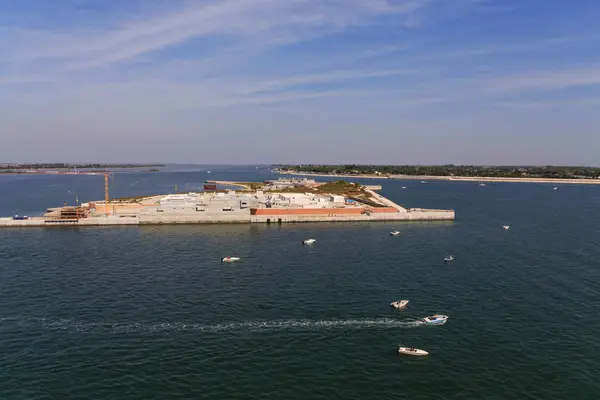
{"x":233,"y":208}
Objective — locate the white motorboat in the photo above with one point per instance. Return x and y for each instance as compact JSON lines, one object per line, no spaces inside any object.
{"x":395,"y":233}
{"x":309,"y":241}
{"x":448,"y":258}
{"x":506,"y":227}
{"x":411,"y":351}
{"x":555,"y":188}
{"x":436,"y":319}
{"x":403,"y":187}
{"x":399,"y":304}
{"x":229,"y":259}
{"x":481,"y":184}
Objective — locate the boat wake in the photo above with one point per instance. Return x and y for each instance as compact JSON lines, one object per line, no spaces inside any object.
{"x":249,"y":326}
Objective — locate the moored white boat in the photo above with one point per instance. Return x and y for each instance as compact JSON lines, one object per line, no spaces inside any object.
{"x":309,"y":241}
{"x":411,"y":351}
{"x":399,"y":304}
{"x":229,"y":259}
{"x":448,"y":258}
{"x":506,"y":227}
{"x":394,"y":233}
{"x":436,"y":319}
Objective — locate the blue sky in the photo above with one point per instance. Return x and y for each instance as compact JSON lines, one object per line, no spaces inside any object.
{"x":299,"y":81}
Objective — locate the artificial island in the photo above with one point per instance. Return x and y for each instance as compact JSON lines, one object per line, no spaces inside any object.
{"x":278,"y":201}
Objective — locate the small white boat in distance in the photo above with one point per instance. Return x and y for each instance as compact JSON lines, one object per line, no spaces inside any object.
{"x":394,"y":233}
{"x":229,"y":259}
{"x":449,"y":258}
{"x":436,"y":319}
{"x":399,"y":304}
{"x":506,"y":227}
{"x":309,"y":241}
{"x":481,"y":184}
{"x":411,"y":351}
{"x":555,"y":188}
{"x":403,"y":187}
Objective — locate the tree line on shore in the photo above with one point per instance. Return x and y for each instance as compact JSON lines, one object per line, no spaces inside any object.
{"x":556,"y":172}
{"x":70,"y":166}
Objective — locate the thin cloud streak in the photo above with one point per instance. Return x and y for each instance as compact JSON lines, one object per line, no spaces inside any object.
{"x":546,"y":80}
{"x":279,"y":22}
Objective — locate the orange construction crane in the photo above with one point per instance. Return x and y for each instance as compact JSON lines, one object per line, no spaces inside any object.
{"x":106,"y":198}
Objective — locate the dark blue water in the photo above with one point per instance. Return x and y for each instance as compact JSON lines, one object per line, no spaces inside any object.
{"x":149,"y":312}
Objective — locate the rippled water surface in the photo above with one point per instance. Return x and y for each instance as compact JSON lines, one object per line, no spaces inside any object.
{"x":149,"y":312}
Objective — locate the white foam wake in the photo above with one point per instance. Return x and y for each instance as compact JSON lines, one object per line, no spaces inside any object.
{"x":248,"y":326}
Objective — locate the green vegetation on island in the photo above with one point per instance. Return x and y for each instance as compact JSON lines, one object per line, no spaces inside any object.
{"x":340,"y":187}
{"x":550,"y":172}
{"x":71,"y":166}
{"x":60,"y":167}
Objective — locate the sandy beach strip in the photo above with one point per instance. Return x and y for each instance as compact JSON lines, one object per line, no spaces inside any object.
{"x":456,"y":178}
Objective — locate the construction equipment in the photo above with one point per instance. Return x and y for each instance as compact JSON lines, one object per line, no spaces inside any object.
{"x":106,"y":197}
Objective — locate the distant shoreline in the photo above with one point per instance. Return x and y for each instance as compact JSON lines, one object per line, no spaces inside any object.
{"x":75,"y":170}
{"x":54,"y":173}
{"x":55,"y":168}
{"x":574,"y":181}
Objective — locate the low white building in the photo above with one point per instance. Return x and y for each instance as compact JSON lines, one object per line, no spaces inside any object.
{"x":180,"y":198}
{"x":337,"y":199}
{"x":294,"y":198}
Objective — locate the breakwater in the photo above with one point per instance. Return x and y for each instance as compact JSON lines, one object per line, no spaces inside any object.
{"x":262,"y":216}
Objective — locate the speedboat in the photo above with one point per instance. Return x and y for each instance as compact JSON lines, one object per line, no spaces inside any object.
{"x":399,"y":304}
{"x":309,"y":241}
{"x":506,"y":227}
{"x":229,"y":259}
{"x":436,"y":319}
{"x":449,"y":258}
{"x":403,"y":187}
{"x":555,"y":188}
{"x":411,"y":351}
{"x":395,"y":233}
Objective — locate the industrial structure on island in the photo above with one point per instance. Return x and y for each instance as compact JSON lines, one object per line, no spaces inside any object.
{"x":278,"y":201}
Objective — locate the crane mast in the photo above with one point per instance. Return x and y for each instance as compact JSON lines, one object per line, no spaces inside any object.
{"x":106,"y":198}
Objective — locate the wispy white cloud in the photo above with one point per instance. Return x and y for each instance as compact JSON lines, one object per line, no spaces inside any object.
{"x":543,"y":44}
{"x":122,"y":58}
{"x":217,"y":92}
{"x":546,"y":80}
{"x":548,"y":104}
{"x":329,"y":77}
{"x":264,"y":22}
{"x":225,"y":34}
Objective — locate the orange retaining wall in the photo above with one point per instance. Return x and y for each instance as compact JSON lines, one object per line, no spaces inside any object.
{"x":320,"y":211}
{"x":119,"y":207}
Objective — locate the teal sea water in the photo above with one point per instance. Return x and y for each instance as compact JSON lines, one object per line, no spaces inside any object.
{"x":150,"y":313}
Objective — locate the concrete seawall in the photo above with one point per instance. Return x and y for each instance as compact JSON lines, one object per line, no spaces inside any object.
{"x":416,"y":215}
{"x":232,"y":218}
